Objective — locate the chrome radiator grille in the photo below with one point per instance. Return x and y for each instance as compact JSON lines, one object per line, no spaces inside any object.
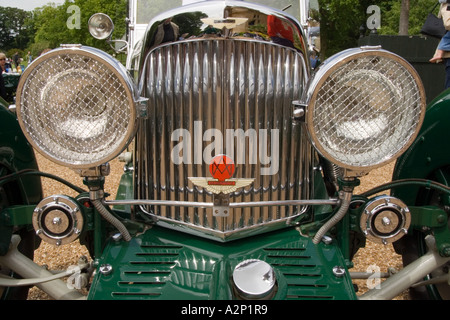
{"x":203,"y":91}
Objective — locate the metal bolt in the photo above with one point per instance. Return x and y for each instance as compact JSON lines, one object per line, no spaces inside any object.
{"x":441,"y":218}
{"x":386,"y":221}
{"x":339,"y":271}
{"x":445,"y":250}
{"x":117,"y":237}
{"x":57,"y":221}
{"x":327,"y":239}
{"x":105,"y":269}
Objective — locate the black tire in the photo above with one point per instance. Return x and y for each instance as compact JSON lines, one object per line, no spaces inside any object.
{"x":412,"y":246}
{"x":10,"y":195}
{"x":408,"y":248}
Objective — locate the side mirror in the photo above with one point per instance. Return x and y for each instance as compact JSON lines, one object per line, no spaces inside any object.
{"x":100,"y":26}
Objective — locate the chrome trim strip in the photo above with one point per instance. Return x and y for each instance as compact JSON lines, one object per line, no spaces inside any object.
{"x":231,"y":205}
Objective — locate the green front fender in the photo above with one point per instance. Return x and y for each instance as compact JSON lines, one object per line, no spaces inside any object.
{"x":16,"y":154}
{"x":429,"y":152}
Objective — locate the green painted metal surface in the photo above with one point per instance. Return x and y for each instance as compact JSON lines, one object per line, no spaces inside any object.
{"x":16,"y":154}
{"x":429,"y":152}
{"x":164,"y":264}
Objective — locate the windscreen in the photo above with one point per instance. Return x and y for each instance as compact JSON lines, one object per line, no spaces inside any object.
{"x":148,"y":9}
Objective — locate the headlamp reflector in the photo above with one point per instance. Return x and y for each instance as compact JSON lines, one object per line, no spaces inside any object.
{"x":76,"y":106}
{"x":365,"y":107}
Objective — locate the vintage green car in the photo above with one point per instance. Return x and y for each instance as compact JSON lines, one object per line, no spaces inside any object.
{"x":241,"y":162}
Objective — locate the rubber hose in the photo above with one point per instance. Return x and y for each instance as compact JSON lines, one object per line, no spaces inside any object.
{"x":111,"y":219}
{"x":346,"y":198}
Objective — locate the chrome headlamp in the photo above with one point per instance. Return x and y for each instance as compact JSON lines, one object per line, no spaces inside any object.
{"x":76,"y":105}
{"x":365,"y":106}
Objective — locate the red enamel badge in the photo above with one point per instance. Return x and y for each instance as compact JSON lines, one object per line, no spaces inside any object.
{"x":222,"y":167}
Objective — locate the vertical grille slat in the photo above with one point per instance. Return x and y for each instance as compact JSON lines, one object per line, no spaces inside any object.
{"x":240,"y":91}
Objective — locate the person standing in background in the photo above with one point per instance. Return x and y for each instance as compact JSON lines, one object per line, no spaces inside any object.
{"x":442,"y":53}
{"x":16,"y":59}
{"x":29,"y":57}
{"x":2,"y":69}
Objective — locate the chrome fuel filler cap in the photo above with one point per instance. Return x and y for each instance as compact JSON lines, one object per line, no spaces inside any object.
{"x":254,"y":279}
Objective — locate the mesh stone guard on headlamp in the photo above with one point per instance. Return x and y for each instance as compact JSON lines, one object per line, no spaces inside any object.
{"x":365,"y":106}
{"x":76,"y":105}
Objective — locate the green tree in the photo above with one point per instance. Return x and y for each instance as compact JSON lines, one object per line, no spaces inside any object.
{"x":418,"y":11}
{"x":55,"y":25}
{"x":342,"y":22}
{"x":50,"y":25}
{"x":15,"y":30}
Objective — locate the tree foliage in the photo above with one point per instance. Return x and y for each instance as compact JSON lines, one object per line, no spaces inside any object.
{"x":344,"y":21}
{"x":418,"y":12}
{"x":52,"y":25}
{"x":340,"y":21}
{"x":15,"y":29}
{"x":71,"y":26}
